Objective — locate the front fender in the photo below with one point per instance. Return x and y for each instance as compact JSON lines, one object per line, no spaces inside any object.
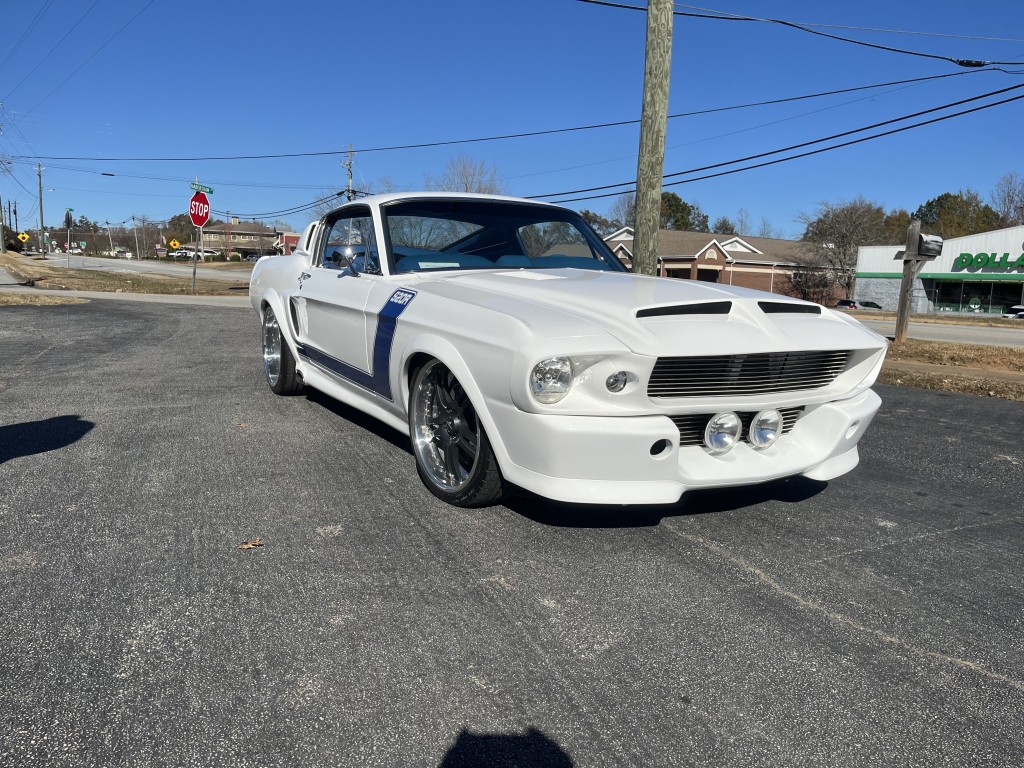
{"x":446,"y":352}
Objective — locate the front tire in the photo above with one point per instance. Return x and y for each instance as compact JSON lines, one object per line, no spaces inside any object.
{"x":278,"y":361}
{"x":454,"y":458}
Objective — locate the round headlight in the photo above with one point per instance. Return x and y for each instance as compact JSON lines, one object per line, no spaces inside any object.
{"x":765,"y":428}
{"x":722,"y":432}
{"x":551,"y":379}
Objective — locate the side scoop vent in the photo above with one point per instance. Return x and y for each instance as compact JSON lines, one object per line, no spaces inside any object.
{"x":704,"y":308}
{"x":788,"y":308}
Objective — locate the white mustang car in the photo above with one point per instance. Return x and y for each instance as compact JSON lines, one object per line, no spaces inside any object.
{"x":512,"y":347}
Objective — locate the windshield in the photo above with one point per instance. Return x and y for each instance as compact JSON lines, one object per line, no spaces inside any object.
{"x":429,"y":235}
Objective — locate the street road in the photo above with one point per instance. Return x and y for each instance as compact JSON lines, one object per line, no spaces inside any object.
{"x":149,"y":266}
{"x":957,"y":334}
{"x":871,"y":621}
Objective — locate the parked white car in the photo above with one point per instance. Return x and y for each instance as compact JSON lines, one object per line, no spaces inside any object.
{"x":512,"y":346}
{"x":1016,"y":311}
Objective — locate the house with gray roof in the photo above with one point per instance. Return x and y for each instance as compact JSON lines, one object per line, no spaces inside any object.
{"x":762,"y":263}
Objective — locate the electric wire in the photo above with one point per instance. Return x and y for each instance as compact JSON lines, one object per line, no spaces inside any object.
{"x":807,"y":154}
{"x":28,"y":30}
{"x":54,"y":48}
{"x":808,"y":30}
{"x":802,"y":144}
{"x":526,"y":134}
{"x":91,"y":57}
{"x":875,"y":29}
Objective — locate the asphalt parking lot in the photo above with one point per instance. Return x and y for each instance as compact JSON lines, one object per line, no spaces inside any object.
{"x":872,"y":621}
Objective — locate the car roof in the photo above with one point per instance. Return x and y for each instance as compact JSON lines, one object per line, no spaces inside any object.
{"x":390,"y":197}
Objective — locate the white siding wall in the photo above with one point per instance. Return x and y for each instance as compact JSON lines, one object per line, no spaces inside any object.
{"x":879,"y":258}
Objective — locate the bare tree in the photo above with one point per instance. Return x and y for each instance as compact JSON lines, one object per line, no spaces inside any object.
{"x":623,"y":211}
{"x":834,"y":232}
{"x":743,"y":226}
{"x":1008,"y":199}
{"x":767,"y":230}
{"x":467,"y":174}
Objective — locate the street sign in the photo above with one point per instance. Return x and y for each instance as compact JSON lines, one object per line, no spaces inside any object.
{"x":200,"y":188}
{"x":23,"y":237}
{"x":82,"y":243}
{"x":199,"y":208}
{"x":174,"y":244}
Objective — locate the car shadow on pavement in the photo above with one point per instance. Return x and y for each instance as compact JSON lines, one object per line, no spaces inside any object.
{"x":32,"y":437}
{"x":790,"y":490}
{"x":360,"y":419}
{"x":505,"y":750}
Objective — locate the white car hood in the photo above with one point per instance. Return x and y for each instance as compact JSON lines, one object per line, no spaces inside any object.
{"x":610,"y":301}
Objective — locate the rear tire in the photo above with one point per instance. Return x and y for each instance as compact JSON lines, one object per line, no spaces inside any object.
{"x":278,"y":361}
{"x":454,"y":458}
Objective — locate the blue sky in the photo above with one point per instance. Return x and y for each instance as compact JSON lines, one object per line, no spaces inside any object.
{"x":254,"y":78}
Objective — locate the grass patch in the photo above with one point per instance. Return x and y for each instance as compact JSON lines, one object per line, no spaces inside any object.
{"x":27,"y":298}
{"x":963,"y":385}
{"x":981,"y":356}
{"x":45,"y":275}
{"x":940,"y":318}
{"x":972,"y":369}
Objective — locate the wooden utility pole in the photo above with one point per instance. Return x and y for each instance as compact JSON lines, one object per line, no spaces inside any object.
{"x":348,"y":164}
{"x":42,"y":242}
{"x":911,"y":265}
{"x":653,"y":119}
{"x":3,"y":235}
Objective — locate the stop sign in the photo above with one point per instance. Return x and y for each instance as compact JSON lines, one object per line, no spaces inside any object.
{"x":199,"y":209}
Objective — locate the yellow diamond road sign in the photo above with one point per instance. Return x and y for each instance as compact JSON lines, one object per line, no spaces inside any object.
{"x":23,"y":237}
{"x":174,"y":243}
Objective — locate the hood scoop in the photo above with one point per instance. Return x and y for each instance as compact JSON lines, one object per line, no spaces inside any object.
{"x":788,"y":308}
{"x":703,"y":308}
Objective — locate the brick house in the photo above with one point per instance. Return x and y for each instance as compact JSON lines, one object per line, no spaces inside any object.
{"x":762,"y":263}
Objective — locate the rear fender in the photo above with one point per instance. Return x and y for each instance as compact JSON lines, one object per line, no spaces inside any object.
{"x":285,"y":318}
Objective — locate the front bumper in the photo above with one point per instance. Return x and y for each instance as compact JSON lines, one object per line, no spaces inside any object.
{"x":625,"y":460}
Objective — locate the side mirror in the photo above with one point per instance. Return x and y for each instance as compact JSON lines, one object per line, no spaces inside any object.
{"x":344,"y":262}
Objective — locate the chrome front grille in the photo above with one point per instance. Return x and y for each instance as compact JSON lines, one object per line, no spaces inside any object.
{"x":758,"y":374}
{"x":691,"y":426}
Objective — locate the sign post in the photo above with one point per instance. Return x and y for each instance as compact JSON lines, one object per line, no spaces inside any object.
{"x":919,"y":251}
{"x":68,"y":223}
{"x":199,"y":212}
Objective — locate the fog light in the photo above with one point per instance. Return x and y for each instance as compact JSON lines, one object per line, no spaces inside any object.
{"x":551,"y":379}
{"x":617,"y":381}
{"x":722,"y":432}
{"x":765,"y":428}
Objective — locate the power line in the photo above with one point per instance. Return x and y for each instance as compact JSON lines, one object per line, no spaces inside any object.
{"x":974,"y":63}
{"x":288,"y":211}
{"x":527,"y":134}
{"x":28,"y":30}
{"x":877,"y":29}
{"x":805,"y":154}
{"x":800,"y":145}
{"x":55,"y":47}
{"x":93,"y":56}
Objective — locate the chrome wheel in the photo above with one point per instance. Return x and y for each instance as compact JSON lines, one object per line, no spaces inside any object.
{"x":271,"y":347}
{"x":446,"y":433}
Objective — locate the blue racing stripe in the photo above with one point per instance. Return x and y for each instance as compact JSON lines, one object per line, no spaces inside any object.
{"x":378,"y":378}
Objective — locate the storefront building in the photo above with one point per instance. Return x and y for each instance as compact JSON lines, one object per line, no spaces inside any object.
{"x":981,"y":273}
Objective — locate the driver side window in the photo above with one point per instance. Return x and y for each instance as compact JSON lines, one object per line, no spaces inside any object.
{"x":351,"y":241}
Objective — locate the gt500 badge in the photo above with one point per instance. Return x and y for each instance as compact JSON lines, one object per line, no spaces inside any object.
{"x":401,"y":297}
